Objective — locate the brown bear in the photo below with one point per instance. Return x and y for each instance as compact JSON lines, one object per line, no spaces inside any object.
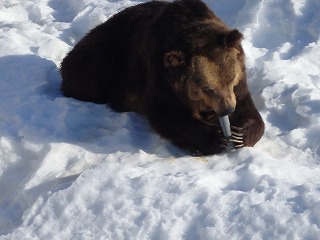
{"x":177,"y":64}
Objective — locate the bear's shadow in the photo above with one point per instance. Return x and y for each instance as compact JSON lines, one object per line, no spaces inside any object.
{"x":49,"y":117}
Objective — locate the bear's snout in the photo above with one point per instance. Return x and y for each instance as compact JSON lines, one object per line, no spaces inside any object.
{"x":226,"y":112}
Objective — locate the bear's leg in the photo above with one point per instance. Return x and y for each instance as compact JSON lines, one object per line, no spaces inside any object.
{"x":246,"y":120}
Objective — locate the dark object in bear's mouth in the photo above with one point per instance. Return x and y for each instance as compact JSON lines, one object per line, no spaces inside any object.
{"x":168,"y":61}
{"x":209,"y":116}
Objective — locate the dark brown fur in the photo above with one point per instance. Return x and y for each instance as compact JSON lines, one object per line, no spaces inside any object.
{"x":175,"y":63}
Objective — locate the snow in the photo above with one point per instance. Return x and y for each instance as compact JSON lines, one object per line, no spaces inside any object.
{"x":75,"y":170}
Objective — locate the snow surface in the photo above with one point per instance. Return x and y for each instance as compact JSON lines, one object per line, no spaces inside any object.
{"x":75,"y":170}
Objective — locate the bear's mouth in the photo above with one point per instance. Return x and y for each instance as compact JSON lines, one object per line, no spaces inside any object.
{"x":209,"y":116}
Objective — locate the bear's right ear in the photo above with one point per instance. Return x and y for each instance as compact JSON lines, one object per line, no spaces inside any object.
{"x":174,"y":59}
{"x":232,"y":39}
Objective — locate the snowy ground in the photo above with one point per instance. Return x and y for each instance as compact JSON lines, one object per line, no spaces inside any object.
{"x":75,"y":170}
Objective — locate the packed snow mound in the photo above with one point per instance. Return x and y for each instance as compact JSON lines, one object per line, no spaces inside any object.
{"x":76,"y":170}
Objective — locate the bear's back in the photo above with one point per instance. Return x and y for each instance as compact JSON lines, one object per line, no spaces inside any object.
{"x":94,"y":70}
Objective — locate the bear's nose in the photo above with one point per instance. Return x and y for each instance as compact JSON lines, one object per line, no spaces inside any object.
{"x":226,"y":112}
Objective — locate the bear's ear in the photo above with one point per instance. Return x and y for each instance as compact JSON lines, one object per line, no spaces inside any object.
{"x":232,"y":39}
{"x":174,"y":59}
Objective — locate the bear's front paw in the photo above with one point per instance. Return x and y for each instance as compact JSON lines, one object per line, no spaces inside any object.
{"x":235,"y":141}
{"x":244,"y":136}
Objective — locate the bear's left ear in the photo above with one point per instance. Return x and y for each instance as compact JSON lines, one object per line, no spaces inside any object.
{"x":232,"y":39}
{"x":174,"y":59}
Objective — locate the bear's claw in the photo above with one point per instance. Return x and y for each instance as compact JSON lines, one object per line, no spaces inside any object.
{"x":235,"y":140}
{"x":239,"y":146}
{"x":239,"y":129}
{"x":237,"y":136}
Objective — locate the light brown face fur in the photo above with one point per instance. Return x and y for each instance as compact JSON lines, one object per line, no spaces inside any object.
{"x":207,"y":80}
{"x":211,"y":85}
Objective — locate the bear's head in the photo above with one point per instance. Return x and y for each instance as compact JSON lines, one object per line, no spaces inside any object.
{"x":205,"y":78}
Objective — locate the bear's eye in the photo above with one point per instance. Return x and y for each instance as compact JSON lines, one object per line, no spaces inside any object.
{"x":209,"y":91}
{"x":174,"y":59}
